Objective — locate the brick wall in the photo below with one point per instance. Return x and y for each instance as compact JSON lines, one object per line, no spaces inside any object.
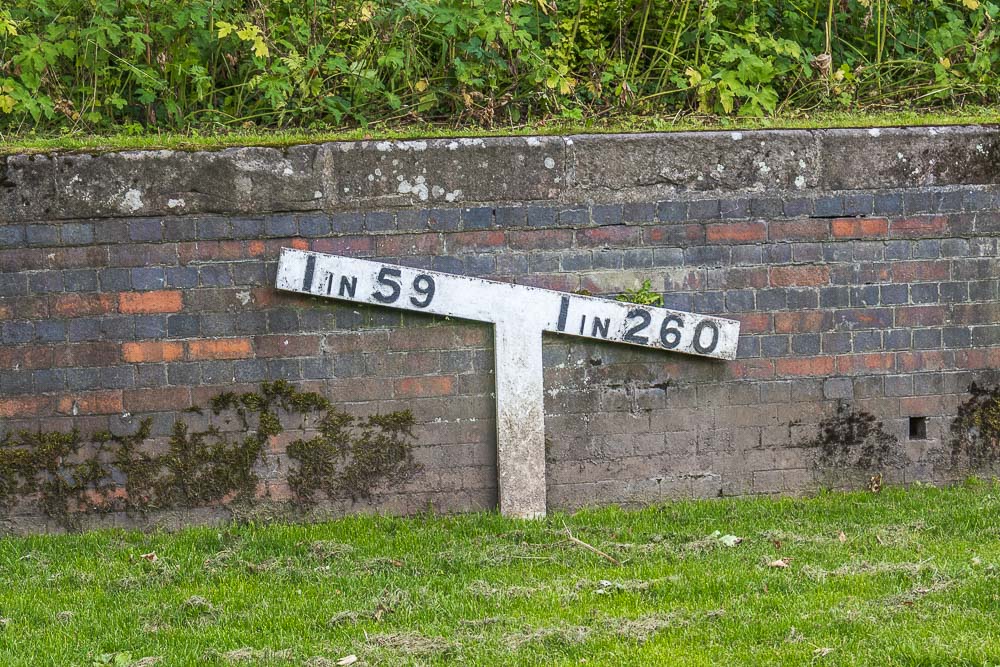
{"x":862,"y":266}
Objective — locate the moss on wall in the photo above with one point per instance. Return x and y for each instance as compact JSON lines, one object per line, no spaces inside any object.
{"x":70,"y":475}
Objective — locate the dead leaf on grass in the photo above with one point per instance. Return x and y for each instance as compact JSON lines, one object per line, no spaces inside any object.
{"x":256,"y":656}
{"x":151,"y":557}
{"x":781,"y":562}
{"x":347,"y":660}
{"x":345,"y":617}
{"x":822,"y":651}
{"x":411,"y":643}
{"x":730,"y":540}
{"x":148,"y":661}
{"x":842,"y":537}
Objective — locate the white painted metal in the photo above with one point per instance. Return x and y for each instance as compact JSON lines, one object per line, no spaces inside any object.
{"x":521,"y":314}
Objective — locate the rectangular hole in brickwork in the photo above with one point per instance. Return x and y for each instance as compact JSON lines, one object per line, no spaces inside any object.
{"x":918,"y":428}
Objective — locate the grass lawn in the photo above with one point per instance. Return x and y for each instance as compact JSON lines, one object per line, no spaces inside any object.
{"x":222,"y":137}
{"x":903,"y":577}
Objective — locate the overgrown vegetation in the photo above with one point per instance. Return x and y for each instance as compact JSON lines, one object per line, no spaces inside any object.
{"x":975,"y":431}
{"x":904,"y":577}
{"x":855,"y":440}
{"x":198,"y":65}
{"x":206,"y":465}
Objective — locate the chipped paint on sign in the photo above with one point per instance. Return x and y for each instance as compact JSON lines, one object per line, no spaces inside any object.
{"x":520,"y":315}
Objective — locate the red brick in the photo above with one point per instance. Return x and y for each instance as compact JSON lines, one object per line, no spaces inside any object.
{"x":924,"y":360}
{"x":225,"y":348}
{"x":208,"y":251}
{"x":163,"y":301}
{"x":976,"y":313}
{"x":160,"y":399}
{"x":921,"y":316}
{"x":920,"y":271}
{"x":864,"y":364}
{"x":673,"y":234}
{"x":397,"y":245}
{"x":24,"y":406}
{"x":479,"y":240}
{"x":753,"y":322}
{"x":152,"y":351}
{"x":860,"y":228}
{"x":798,"y":230}
{"x":86,"y":355}
{"x":804,"y":366}
{"x":345,"y":245}
{"x":87,"y":257}
{"x":412,"y":363}
{"x":215,"y":300}
{"x":31,"y":308}
{"x":919,"y":226}
{"x":187,"y":252}
{"x":736,"y":232}
{"x":803,"y":322}
{"x":255,"y":249}
{"x":361,"y":341}
{"x":6,"y":311}
{"x":754,"y":369}
{"x":421,"y":387}
{"x":92,"y":403}
{"x":738,"y":278}
{"x":286,"y":346}
{"x":23,"y":259}
{"x":615,"y":235}
{"x":799,"y":276}
{"x":27,"y":357}
{"x":976,"y":358}
{"x":540,"y":239}
{"x":471,"y":335}
{"x":83,"y":305}
{"x":561,"y":282}
{"x":265,"y":297}
{"x":417,"y":338}
{"x":924,"y":406}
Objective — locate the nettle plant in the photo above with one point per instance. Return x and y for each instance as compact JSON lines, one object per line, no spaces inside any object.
{"x":343,"y":457}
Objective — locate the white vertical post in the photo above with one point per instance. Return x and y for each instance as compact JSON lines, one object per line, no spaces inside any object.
{"x":520,"y":418}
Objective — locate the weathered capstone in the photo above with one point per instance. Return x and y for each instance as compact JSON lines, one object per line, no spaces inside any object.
{"x":447,"y":171}
{"x":597,"y":169}
{"x":661,"y":165}
{"x":894,"y":157}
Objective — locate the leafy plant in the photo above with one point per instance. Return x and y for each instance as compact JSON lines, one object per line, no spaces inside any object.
{"x":643,"y":295}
